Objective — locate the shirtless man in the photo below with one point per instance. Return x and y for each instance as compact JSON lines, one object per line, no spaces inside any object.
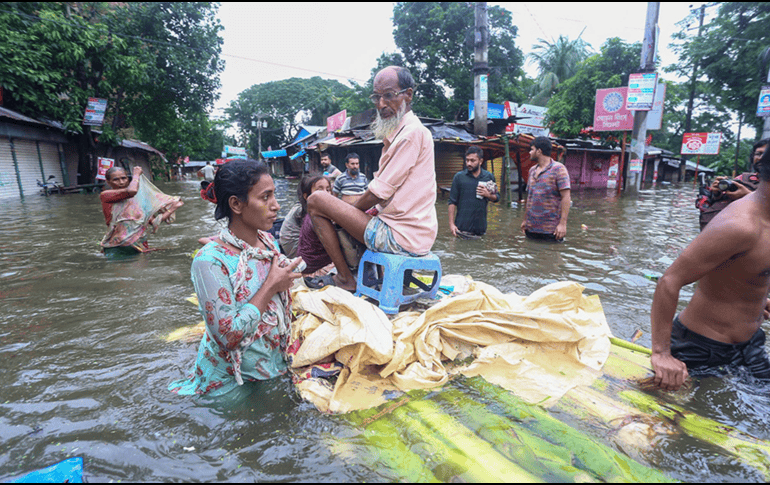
{"x":730,"y":260}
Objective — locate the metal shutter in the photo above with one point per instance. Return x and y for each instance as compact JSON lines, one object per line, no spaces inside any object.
{"x":51,"y":166}
{"x":9,"y":186}
{"x":449,"y":161}
{"x":29,"y":165}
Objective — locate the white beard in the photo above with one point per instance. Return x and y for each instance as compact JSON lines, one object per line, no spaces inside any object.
{"x":384,"y":127}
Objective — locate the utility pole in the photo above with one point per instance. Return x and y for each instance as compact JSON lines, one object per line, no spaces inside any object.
{"x":259,"y":134}
{"x":766,"y":127}
{"x":688,"y":119}
{"x":480,"y":69}
{"x":647,"y":64}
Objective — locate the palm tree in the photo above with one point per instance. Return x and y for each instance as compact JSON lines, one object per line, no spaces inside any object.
{"x":557,"y":62}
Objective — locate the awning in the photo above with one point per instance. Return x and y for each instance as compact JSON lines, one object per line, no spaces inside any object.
{"x":274,"y":154}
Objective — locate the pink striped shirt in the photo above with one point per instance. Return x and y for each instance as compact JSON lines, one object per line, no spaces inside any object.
{"x":406,"y":181}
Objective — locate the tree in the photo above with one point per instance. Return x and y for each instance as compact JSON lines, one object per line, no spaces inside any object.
{"x":557,"y":62}
{"x":435,"y":40}
{"x":571,"y":108}
{"x":728,"y":52}
{"x":285,"y":105}
{"x":57,"y":55}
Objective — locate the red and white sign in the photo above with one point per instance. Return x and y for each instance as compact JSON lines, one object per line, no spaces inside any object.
{"x":612,"y":173}
{"x":336,"y":121}
{"x":701,"y":143}
{"x":102,"y":165}
{"x":610,"y":113}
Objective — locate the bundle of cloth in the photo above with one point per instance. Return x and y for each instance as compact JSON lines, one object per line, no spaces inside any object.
{"x":135,"y":218}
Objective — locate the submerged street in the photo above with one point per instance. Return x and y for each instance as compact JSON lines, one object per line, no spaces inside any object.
{"x":86,"y":366}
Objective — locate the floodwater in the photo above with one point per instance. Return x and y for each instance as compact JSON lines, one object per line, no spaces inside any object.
{"x":85,"y":367}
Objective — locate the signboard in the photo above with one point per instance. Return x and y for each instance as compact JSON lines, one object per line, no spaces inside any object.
{"x":494,"y":111}
{"x":102,"y":165}
{"x":641,"y":91}
{"x":610,"y":113}
{"x":531,"y":119}
{"x":95,"y":110}
{"x":234,"y":152}
{"x":763,"y":108}
{"x":483,"y":87}
{"x":701,"y":143}
{"x":655,"y":116}
{"x":635,"y":165}
{"x":336,"y":121}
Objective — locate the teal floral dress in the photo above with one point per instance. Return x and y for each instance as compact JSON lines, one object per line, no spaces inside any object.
{"x":240,"y":344}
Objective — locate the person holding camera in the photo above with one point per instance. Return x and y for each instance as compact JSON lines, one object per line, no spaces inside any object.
{"x":723,"y":191}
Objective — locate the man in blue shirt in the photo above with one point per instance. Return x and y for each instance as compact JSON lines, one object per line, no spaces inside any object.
{"x":471,"y":190}
{"x":352,"y":184}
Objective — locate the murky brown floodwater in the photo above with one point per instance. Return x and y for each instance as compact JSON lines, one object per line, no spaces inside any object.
{"x":85,"y":369}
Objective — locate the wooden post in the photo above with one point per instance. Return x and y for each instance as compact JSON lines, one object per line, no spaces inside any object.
{"x":508,"y":167}
{"x":622,"y":163}
{"x":521,"y":174}
{"x":697,"y":166}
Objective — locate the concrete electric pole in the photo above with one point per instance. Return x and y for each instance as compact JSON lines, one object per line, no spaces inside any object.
{"x":639,"y":133}
{"x":480,"y":69}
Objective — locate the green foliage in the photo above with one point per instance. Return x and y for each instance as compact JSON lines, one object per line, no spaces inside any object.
{"x":435,"y":40}
{"x":727,"y":54}
{"x":571,"y":109}
{"x":57,"y":55}
{"x":285,"y":105}
{"x":557,"y":62}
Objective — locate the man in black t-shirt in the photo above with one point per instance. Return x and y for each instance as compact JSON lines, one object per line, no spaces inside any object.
{"x":471,"y":190}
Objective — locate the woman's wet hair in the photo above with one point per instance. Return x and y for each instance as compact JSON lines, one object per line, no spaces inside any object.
{"x":235,"y":178}
{"x":305,"y":187}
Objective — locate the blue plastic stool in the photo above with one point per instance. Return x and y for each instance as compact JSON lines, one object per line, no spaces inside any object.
{"x":397,"y":274}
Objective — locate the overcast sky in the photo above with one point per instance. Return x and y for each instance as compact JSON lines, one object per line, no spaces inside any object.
{"x":269,"y":41}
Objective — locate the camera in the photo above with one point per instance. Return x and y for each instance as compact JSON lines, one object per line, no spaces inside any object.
{"x":727,"y":185}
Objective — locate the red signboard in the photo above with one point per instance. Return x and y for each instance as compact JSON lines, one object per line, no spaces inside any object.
{"x":336,"y":121}
{"x":701,"y":143}
{"x":610,"y":113}
{"x":103,"y":164}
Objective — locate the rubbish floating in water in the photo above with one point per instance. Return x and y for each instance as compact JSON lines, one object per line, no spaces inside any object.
{"x":652,"y":276}
{"x":583,"y":227}
{"x":636,"y":335}
{"x":67,"y":471}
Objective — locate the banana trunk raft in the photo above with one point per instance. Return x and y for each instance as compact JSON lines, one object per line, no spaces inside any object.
{"x":483,"y":386}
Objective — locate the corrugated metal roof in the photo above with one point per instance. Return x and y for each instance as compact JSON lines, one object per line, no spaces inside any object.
{"x":7,"y":113}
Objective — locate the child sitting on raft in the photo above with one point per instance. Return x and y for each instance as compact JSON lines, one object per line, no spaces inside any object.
{"x":242,"y":287}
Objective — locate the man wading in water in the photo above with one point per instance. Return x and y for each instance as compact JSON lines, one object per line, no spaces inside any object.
{"x":730,"y":260}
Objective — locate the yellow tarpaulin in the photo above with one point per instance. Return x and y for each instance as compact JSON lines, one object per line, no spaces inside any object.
{"x":538,"y":347}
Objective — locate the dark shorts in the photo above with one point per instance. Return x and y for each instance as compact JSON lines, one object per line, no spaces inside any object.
{"x":542,"y":236}
{"x":699,"y":352}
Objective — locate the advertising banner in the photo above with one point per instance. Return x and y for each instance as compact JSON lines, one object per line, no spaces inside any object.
{"x":95,"y":110}
{"x":102,"y":165}
{"x":701,"y":143}
{"x":610,"y":113}
{"x":336,"y":121}
{"x":641,"y":91}
{"x":763,"y":108}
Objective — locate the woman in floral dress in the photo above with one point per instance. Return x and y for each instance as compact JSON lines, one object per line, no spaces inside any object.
{"x":242,"y":287}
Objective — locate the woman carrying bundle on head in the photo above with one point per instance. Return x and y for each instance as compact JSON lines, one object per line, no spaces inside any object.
{"x":242,"y":282}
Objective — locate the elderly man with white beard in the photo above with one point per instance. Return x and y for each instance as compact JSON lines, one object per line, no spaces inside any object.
{"x":397,"y":213}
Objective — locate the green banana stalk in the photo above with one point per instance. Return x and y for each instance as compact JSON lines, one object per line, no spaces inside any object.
{"x":546,"y":460}
{"x":600,"y":460}
{"x":750,"y":450}
{"x":457,"y":446}
{"x":384,"y":442}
